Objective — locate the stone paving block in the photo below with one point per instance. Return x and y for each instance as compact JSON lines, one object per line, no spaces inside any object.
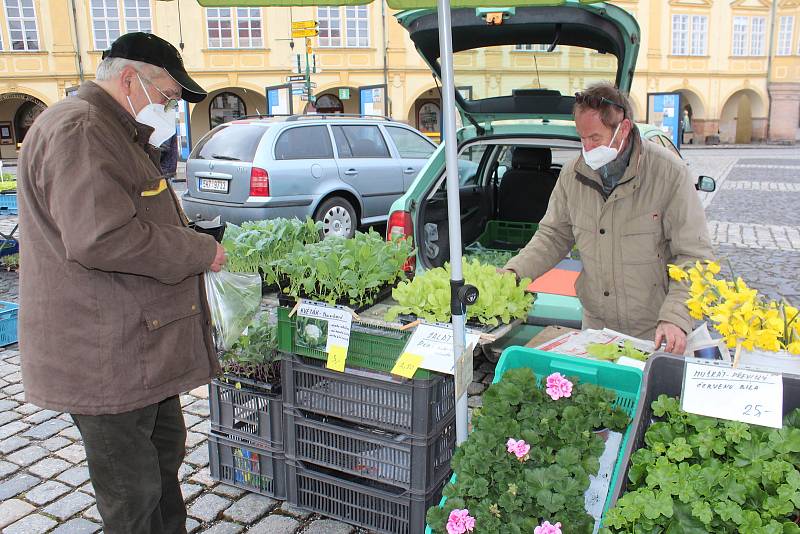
{"x":13,"y":510}
{"x":191,"y":420}
{"x":28,"y":455}
{"x":55,"y":443}
{"x":75,"y":453}
{"x":40,"y":416}
{"x":199,"y":408}
{"x":13,"y":389}
{"x":13,"y":443}
{"x":47,"y":429}
{"x":203,"y":476}
{"x":185,"y":470}
{"x":93,"y":514}
{"x":275,"y":524}
{"x":70,"y":505}
{"x":7,"y":369}
{"x":198,"y":457}
{"x":328,"y":526}
{"x":294,"y":511}
{"x":8,"y":416}
{"x":249,"y":508}
{"x":16,"y":485}
{"x":208,"y":507}
{"x":28,"y":408}
{"x":190,"y":491}
{"x":191,"y":525}
{"x":476,"y":388}
{"x":87,"y":488}
{"x":19,"y":397}
{"x":229,"y":491}
{"x":224,"y":528}
{"x":14,"y":378}
{"x":194,"y":438}
{"x":75,"y":476}
{"x":31,"y":524}
{"x":66,"y":417}
{"x":201,"y":392}
{"x":77,"y":526}
{"x":10,"y":429}
{"x":49,"y":467}
{"x":203,"y":427}
{"x":71,"y":433}
{"x":6,"y":468}
{"x":186,"y":400}
{"x":47,"y":492}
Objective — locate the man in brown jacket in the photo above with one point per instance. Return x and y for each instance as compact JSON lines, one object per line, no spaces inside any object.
{"x":631,"y":208}
{"x":114,"y":323}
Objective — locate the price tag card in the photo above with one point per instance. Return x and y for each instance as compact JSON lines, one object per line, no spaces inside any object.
{"x":407,"y":364}
{"x":464,"y":370}
{"x":434,"y":342}
{"x":324,"y":327}
{"x":719,"y":390}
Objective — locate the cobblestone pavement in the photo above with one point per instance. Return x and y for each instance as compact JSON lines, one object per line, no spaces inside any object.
{"x":44,"y":482}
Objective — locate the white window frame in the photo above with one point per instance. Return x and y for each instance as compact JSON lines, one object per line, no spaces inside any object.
{"x":689,"y":35}
{"x":141,"y":21}
{"x":699,"y":33}
{"x":749,"y":35}
{"x":758,"y":39}
{"x":24,"y":23}
{"x":220,"y":15}
{"x":739,"y":40}
{"x":785,"y":36}
{"x":680,"y":35}
{"x":343,"y":19}
{"x":249,"y":15}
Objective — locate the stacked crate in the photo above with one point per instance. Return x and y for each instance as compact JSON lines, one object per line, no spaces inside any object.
{"x":365,"y":446}
{"x":246,"y":442}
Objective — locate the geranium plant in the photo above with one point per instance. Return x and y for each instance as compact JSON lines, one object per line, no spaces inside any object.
{"x":745,"y":318}
{"x":527,"y":462}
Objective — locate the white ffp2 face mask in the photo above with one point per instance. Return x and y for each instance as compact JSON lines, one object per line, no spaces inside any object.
{"x":156,"y":116}
{"x":603,"y":154}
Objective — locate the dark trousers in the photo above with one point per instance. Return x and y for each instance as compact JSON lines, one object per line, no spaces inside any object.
{"x":134,"y":459}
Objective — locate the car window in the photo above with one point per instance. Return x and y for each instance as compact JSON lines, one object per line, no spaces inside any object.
{"x":409,"y":144}
{"x":232,"y":142}
{"x":305,"y":142}
{"x":360,"y":142}
{"x":468,"y":164}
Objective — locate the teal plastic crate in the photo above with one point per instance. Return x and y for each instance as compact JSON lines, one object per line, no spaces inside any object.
{"x":8,"y":203}
{"x":507,"y":235}
{"x":9,"y":313}
{"x":625,"y":381}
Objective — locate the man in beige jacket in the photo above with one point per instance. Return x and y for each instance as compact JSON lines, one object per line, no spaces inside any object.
{"x":631,"y":208}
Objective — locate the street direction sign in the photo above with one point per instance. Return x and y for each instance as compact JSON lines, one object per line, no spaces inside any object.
{"x":305,"y":33}
{"x":296,"y":78}
{"x":302,"y":85}
{"x":304,"y":24}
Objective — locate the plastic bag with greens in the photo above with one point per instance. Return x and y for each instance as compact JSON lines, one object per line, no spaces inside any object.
{"x":234,"y":299}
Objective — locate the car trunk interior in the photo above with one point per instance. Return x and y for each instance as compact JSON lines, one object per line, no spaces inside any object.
{"x":505,"y":186}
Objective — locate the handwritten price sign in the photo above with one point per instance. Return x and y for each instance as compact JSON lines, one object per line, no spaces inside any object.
{"x":723,"y":392}
{"x":338,"y":333}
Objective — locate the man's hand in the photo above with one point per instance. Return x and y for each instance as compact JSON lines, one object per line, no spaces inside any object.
{"x":219,"y":259}
{"x":672,"y":336}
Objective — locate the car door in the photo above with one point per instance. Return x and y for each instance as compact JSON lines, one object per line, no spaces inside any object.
{"x":303,"y":163}
{"x":412,"y":148}
{"x":366,"y":164}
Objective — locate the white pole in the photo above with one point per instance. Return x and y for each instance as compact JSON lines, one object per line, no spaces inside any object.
{"x":453,"y":200}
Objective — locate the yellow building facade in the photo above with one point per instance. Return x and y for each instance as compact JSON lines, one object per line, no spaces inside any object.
{"x":735,"y":63}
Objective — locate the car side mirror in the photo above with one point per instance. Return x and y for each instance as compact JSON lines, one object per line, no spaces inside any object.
{"x":706,"y":184}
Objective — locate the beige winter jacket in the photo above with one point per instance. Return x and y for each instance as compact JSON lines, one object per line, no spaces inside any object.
{"x":653,"y":217}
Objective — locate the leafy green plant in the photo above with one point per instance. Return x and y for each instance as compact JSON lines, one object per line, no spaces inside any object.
{"x":613,"y":352}
{"x":506,"y":494}
{"x":10,"y":262}
{"x":427,"y":296}
{"x":344,"y":271}
{"x":254,"y":246}
{"x":254,"y":356}
{"x":8,"y":183}
{"x":698,"y":474}
{"x":489,"y":256}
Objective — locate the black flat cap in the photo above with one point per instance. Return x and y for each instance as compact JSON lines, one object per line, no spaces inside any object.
{"x":149,"y":48}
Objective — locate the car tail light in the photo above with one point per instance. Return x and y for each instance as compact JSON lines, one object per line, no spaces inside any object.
{"x":401,"y":226}
{"x":259,"y":182}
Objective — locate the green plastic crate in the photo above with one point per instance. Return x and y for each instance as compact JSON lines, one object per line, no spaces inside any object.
{"x":372,"y":347}
{"x":507,"y":235}
{"x":625,"y":381}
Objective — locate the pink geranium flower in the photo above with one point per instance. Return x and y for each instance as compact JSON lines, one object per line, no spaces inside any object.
{"x":558,"y":386}
{"x":460,"y":522}
{"x":519,"y":448}
{"x":547,"y":528}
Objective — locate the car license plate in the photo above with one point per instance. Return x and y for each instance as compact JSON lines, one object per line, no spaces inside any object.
{"x":213,"y":186}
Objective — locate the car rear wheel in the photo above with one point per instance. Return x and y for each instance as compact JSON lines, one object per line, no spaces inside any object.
{"x":338,"y":217}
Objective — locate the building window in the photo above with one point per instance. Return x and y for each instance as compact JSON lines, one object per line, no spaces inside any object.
{"x":225,"y":107}
{"x":689,"y":35}
{"x":356,"y":23}
{"x":785,"y":31}
{"x":220,"y":23}
{"x":533,"y":48}
{"x":107,"y":19}
{"x":137,"y":16}
{"x":748,"y":36}
{"x":22,"y":31}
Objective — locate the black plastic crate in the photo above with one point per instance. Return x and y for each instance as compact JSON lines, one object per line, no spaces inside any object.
{"x":250,"y":413}
{"x":371,"y":398}
{"x":247,"y":467}
{"x":663,"y":375}
{"x":397,"y":459}
{"x":373,"y":506}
